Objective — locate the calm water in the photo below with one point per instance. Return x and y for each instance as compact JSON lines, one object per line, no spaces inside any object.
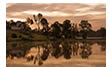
{"x":90,"y":53}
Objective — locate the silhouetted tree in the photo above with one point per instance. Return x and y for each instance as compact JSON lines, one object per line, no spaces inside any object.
{"x":44,"y":23}
{"x":56,"y":29}
{"x":66,"y":28}
{"x":101,"y":32}
{"x":85,"y":27}
{"x":12,"y":21}
{"x":14,"y":35}
{"x":38,"y":20}
{"x":29,"y":20}
{"x":7,"y":25}
{"x":74,"y":31}
{"x":91,"y":33}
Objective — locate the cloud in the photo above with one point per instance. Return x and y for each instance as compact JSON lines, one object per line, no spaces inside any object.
{"x":15,"y":19}
{"x":54,"y":13}
{"x":90,"y":13}
{"x":94,"y":12}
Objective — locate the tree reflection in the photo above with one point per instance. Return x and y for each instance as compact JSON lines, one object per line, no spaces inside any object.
{"x":102,"y":44}
{"x":45,"y":54}
{"x":16,"y":50}
{"x":85,"y":50}
{"x":67,"y":50}
{"x":75,"y":48}
{"x":56,"y":49}
{"x":53,"y":48}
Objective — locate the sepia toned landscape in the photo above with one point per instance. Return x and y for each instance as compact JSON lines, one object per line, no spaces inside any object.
{"x":56,"y":34}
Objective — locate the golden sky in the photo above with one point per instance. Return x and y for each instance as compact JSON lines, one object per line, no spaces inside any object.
{"x":95,"y":13}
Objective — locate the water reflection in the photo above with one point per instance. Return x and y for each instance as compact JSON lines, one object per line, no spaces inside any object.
{"x":85,"y":50}
{"x":56,"y":49}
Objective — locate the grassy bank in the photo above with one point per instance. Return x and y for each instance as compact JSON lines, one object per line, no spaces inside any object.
{"x":33,"y":36}
{"x":12,"y":35}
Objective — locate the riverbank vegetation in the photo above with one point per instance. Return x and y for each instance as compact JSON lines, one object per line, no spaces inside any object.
{"x":23,"y":30}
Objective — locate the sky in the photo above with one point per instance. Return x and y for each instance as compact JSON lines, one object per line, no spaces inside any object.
{"x":95,"y":13}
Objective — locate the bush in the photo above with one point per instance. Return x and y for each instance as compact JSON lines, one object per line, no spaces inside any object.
{"x":14,"y":35}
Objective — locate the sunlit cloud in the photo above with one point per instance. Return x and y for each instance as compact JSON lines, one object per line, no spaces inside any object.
{"x":54,"y":13}
{"x":16,"y":14}
{"x":93,"y":12}
{"x":94,"y":4}
{"x":83,"y":9}
{"x":15,"y":19}
{"x":89,"y":13}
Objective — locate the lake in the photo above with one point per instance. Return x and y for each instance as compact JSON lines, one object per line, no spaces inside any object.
{"x":74,"y":53}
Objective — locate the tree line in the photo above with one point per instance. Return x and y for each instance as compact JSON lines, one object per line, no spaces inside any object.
{"x":58,"y":30}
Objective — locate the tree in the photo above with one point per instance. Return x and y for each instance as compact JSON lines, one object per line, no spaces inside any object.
{"x":101,"y":32}
{"x":14,"y":35}
{"x":12,"y":21}
{"x":74,"y":31}
{"x":56,"y":29}
{"x":7,"y":25}
{"x":85,"y":27}
{"x":38,"y":20}
{"x":44,"y":23}
{"x":66,"y":28}
{"x":28,"y":20}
